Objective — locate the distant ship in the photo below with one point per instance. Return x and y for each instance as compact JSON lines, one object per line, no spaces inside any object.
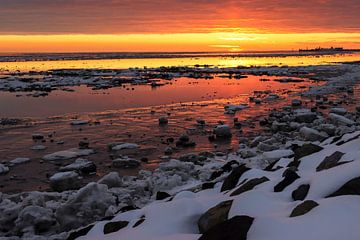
{"x":319,"y":49}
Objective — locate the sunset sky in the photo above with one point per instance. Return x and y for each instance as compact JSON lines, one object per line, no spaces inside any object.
{"x":176,"y":25}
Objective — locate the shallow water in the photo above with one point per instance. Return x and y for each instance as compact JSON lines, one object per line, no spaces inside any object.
{"x":84,"y":99}
{"x":184,"y":101}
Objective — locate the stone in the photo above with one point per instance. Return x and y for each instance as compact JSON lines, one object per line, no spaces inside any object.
{"x":168,"y":151}
{"x":305,"y":150}
{"x":79,"y":122}
{"x":249,"y":185}
{"x":232,"y":179}
{"x":235,"y":228}
{"x":84,"y":144}
{"x":214,"y":216}
{"x":289,"y":177}
{"x":222,"y":131}
{"x":305,"y":116}
{"x":80,"y":165}
{"x":303,"y":208}
{"x":351,"y":187}
{"x":111,"y":227}
{"x":301,"y":192}
{"x":162,"y":195}
{"x":73,"y":235}
{"x":340,"y":111}
{"x":68,"y":154}
{"x":330,"y":161}
{"x":64,"y":181}
{"x":3,"y":169}
{"x":296,"y":103}
{"x":163,"y":120}
{"x":118,"y":146}
{"x":37,"y":136}
{"x":341,"y":120}
{"x":36,"y":217}
{"x":17,"y":161}
{"x":125,"y":162}
{"x":38,"y":147}
{"x":111,"y":180}
{"x":311,"y":134}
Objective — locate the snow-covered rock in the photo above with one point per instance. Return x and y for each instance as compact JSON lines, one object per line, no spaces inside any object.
{"x":122,"y":146}
{"x":68,"y":154}
{"x":63,"y":181}
{"x":3,"y":169}
{"x":17,"y":161}
{"x":81,"y":165}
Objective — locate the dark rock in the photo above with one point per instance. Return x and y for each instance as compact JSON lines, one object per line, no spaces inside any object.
{"x":79,"y":232}
{"x":227,"y":167}
{"x":249,"y":185}
{"x":111,"y":227}
{"x":305,"y":150}
{"x":330,"y":161}
{"x":207,"y":185}
{"x":140,"y":221}
{"x":289,"y":177}
{"x":162,"y":195}
{"x":303,"y":208}
{"x":301,"y":192}
{"x":233,"y":178}
{"x":235,"y":228}
{"x":214,"y":216}
{"x":215,"y":174}
{"x":351,"y":187}
{"x":84,"y":144}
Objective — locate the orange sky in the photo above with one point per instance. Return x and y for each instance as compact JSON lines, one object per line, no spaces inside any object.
{"x":176,"y":25}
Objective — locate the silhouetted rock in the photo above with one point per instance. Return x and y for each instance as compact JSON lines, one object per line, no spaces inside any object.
{"x":214,"y":216}
{"x":303,"y":208}
{"x":111,"y":227}
{"x":351,"y":187}
{"x":233,"y":178}
{"x":235,"y":228}
{"x":289,"y":177}
{"x":249,"y":185}
{"x":330,"y":161}
{"x":301,"y":192}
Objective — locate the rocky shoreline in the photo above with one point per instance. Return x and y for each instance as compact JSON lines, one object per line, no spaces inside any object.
{"x":297,"y":143}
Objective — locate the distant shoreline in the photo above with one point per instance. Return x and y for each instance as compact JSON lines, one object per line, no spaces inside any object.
{"x":24,"y":57}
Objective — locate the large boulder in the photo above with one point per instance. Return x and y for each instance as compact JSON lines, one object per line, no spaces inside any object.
{"x":235,"y":228}
{"x":214,"y":216}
